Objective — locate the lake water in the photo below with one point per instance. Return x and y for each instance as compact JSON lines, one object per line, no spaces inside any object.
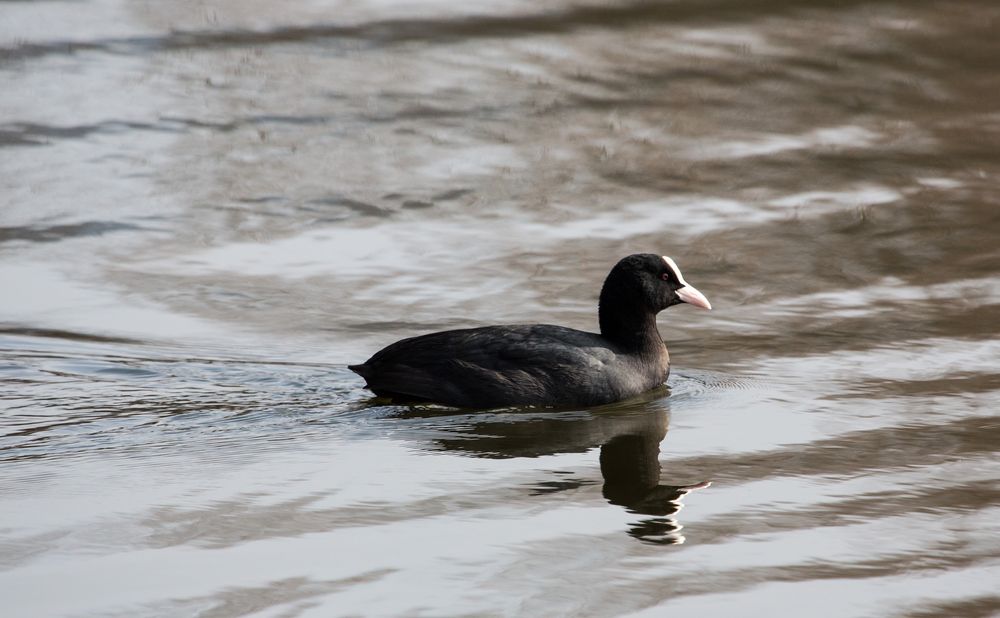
{"x":208,"y":209}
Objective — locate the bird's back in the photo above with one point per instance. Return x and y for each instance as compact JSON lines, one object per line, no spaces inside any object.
{"x":495,"y":366}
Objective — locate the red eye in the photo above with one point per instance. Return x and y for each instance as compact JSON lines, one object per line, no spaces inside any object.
{"x":665,"y":276}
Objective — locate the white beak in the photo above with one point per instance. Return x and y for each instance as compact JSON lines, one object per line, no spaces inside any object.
{"x":687,"y":293}
{"x":692,"y":296}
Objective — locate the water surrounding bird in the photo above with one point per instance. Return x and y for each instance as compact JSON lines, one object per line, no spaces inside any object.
{"x":542,"y":364}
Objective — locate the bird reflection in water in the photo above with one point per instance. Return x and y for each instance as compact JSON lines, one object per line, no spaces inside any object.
{"x":628,"y":434}
{"x":630,"y":465}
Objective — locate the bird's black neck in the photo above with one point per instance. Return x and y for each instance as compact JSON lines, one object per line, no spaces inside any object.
{"x":630,"y":326}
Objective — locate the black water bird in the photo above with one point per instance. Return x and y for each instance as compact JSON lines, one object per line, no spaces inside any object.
{"x":541,"y":364}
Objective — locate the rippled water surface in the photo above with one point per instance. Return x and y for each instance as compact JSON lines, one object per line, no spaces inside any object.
{"x":207,"y":209}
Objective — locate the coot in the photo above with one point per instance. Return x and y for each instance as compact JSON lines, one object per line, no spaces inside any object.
{"x":540,"y":364}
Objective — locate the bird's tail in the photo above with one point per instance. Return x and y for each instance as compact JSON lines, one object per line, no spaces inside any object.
{"x":361,"y":370}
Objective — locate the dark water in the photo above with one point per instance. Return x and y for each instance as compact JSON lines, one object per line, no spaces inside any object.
{"x":208,"y":208}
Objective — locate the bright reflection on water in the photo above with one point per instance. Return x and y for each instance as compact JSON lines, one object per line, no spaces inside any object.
{"x":208,"y":208}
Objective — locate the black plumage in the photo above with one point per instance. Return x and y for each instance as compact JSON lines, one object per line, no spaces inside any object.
{"x":541,"y":364}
